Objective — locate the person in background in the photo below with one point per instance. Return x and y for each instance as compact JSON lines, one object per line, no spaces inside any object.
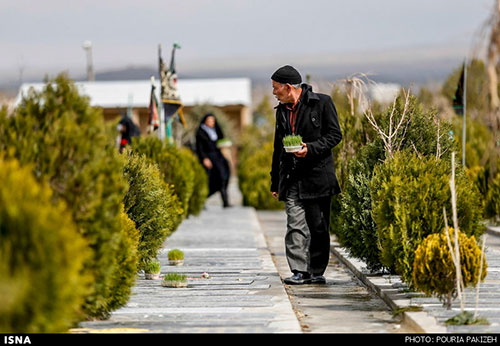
{"x":211,"y":158}
{"x":127,"y":130}
{"x":305,"y":180}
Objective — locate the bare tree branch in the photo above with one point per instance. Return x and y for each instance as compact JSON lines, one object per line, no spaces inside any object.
{"x":390,"y":137}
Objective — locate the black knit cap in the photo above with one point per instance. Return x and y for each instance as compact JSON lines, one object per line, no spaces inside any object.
{"x":287,"y":74}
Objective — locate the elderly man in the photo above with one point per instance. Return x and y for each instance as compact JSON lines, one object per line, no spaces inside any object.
{"x":305,"y":180}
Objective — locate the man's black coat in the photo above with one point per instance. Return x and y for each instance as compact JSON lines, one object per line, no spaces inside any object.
{"x":317,"y":123}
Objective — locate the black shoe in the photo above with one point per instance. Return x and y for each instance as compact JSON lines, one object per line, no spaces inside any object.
{"x":298,"y":279}
{"x":318,"y":279}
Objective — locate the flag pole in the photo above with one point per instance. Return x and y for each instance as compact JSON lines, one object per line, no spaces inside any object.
{"x":465,"y":112}
{"x":161,"y":110}
{"x":150,"y":119}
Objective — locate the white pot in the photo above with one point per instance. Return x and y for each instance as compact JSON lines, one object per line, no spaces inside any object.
{"x":152,"y":276}
{"x":175,"y":284}
{"x":293,"y":149}
{"x":175,"y":262}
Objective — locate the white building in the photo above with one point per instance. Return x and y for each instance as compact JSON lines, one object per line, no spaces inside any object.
{"x":231,"y":95}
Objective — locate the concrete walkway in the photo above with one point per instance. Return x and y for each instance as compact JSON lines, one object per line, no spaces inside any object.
{"x":243,"y":293}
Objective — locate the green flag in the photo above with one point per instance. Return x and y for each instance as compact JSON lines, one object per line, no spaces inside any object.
{"x":458,"y":98}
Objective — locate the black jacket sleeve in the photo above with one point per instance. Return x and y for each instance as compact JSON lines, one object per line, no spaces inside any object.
{"x":277,"y":148}
{"x":201,"y":145}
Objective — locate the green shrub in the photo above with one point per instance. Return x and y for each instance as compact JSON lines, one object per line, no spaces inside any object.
{"x":178,"y":169}
{"x":434,"y":272}
{"x":125,"y":272}
{"x":479,"y":144}
{"x":479,"y":175}
{"x":254,"y":179}
{"x":408,"y":194}
{"x":356,"y":131}
{"x":66,"y":141}
{"x":492,"y":208}
{"x":420,"y":129}
{"x":354,"y":226}
{"x":200,"y":191}
{"x":151,"y":204}
{"x":42,"y":285}
{"x":351,"y":214}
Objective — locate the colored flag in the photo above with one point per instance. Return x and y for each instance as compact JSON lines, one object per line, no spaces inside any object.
{"x":170,"y":97}
{"x":153,"y":121}
{"x":458,"y":98}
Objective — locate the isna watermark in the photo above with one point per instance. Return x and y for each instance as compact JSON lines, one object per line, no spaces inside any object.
{"x":16,"y":340}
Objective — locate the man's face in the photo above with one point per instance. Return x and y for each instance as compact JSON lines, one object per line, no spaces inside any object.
{"x":281,"y":92}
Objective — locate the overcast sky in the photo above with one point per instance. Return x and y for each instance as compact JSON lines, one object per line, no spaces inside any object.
{"x":47,"y":35}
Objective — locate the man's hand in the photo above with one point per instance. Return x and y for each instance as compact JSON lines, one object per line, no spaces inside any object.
{"x":275,"y":195}
{"x":302,"y":152}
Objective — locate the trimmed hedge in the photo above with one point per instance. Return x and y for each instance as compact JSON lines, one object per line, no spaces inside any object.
{"x":151,"y":204}
{"x":66,"y":141}
{"x":125,"y":272}
{"x":42,"y":284}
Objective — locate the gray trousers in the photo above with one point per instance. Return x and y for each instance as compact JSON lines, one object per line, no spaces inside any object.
{"x":307,"y":240}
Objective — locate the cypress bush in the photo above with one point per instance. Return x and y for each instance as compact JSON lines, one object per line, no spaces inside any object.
{"x":177,"y":169}
{"x":151,"y":204}
{"x":125,"y":272}
{"x":66,"y":141}
{"x":353,"y":224}
{"x":434,"y":272}
{"x":408,"y":194}
{"x":200,"y":191}
{"x":42,"y":255}
{"x":492,"y":203}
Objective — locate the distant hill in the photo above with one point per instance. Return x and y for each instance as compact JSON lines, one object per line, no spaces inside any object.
{"x":128,"y":73}
{"x":418,"y":66}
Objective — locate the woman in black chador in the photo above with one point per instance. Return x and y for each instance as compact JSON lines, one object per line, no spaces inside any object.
{"x":211,"y":157}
